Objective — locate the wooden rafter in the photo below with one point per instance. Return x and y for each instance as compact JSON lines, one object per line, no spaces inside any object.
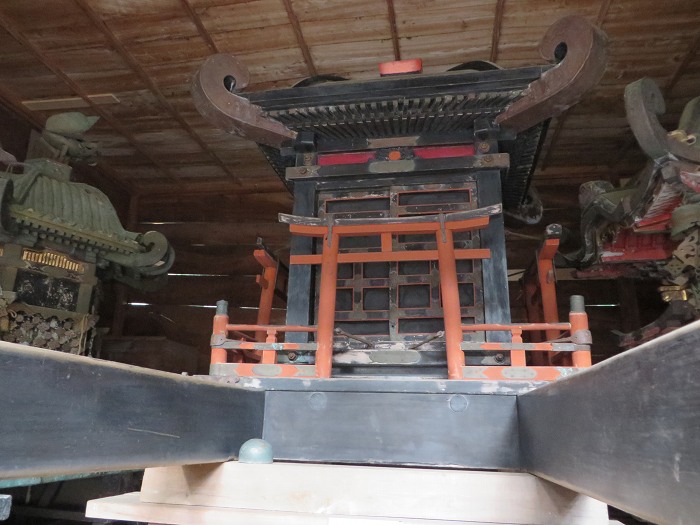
{"x":119,"y":47}
{"x":301,"y":42}
{"x":18,"y":35}
{"x":496,"y":33}
{"x":394,"y":31}
{"x":200,"y":26}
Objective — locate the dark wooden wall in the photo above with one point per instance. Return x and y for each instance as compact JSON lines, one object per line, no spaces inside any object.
{"x":14,"y":132}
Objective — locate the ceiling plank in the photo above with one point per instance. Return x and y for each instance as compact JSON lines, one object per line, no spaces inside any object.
{"x":20,"y":37}
{"x":120,"y":48}
{"x":303,"y":46}
{"x":394,"y":32}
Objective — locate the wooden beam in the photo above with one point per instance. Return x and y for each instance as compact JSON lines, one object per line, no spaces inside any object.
{"x":19,"y":36}
{"x":200,"y":26}
{"x":496,"y":34}
{"x":296,"y":27}
{"x":119,"y":47}
{"x":68,"y":103}
{"x":646,"y":434}
{"x":124,"y":417}
{"x":417,"y":255}
{"x":394,"y":31}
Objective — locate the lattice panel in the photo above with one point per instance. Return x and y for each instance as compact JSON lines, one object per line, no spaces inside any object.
{"x":400,"y":301}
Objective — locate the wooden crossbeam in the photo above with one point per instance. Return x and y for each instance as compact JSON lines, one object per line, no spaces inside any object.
{"x":422,"y":255}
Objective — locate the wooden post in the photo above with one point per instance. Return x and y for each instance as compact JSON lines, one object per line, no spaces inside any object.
{"x":451,"y":310}
{"x":517,"y":357}
{"x":578,"y":318}
{"x":548,"y":289}
{"x":268,"y":283}
{"x":326,"y":305}
{"x":219,"y":355}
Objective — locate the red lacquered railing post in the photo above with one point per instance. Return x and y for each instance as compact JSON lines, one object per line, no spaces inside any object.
{"x":580,"y":334}
{"x":326,"y":305}
{"x":449,"y":290}
{"x":517,"y":357}
{"x":218,"y":355}
{"x":269,"y":357}
{"x":546,"y":275}
{"x":267,"y":281}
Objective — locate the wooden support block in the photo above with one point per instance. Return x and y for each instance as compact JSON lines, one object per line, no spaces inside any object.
{"x":130,"y":507}
{"x":329,"y":494}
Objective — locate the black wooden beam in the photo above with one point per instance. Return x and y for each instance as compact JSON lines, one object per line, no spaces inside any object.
{"x":64,"y":414}
{"x":300,"y":282}
{"x":394,"y":428}
{"x":626,"y":432}
{"x":495,"y":271}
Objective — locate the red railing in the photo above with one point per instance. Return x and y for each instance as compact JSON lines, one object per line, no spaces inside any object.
{"x":443,"y":227}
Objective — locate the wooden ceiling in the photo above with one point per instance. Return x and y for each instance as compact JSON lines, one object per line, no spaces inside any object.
{"x":177,"y":168}
{"x":144,"y":52}
{"x":212,"y":194}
